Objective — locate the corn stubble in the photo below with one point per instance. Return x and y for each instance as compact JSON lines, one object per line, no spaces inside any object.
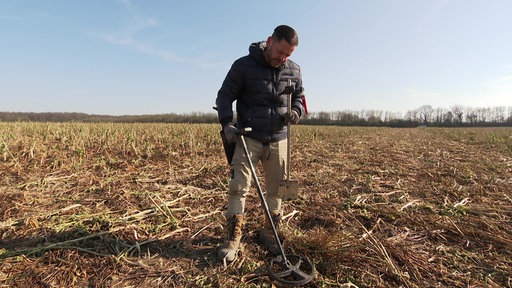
{"x":134,"y":205}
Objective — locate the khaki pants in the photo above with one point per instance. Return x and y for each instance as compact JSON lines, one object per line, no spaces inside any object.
{"x":273,"y":159}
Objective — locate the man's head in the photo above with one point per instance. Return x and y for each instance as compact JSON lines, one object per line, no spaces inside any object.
{"x":281,"y":45}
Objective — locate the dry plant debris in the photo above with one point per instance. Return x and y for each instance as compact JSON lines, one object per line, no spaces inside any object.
{"x":141,"y":205}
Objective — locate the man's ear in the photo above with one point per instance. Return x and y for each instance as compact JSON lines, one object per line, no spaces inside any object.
{"x":269,"y":41}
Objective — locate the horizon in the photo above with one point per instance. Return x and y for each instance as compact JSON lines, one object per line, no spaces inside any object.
{"x":506,"y":110}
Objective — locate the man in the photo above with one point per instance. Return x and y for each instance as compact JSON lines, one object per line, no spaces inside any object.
{"x":258,"y":83}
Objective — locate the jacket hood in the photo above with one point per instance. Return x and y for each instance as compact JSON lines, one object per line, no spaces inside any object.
{"x":256,"y":51}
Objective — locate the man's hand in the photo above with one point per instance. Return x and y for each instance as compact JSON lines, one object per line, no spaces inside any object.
{"x":288,"y":90}
{"x":230,"y":132}
{"x":292,"y":117}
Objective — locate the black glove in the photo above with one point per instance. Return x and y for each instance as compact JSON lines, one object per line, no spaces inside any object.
{"x":292,"y":117}
{"x":288,"y":90}
{"x":230,"y":132}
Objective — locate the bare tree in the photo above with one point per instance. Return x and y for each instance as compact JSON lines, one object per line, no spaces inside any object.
{"x":472,"y":116}
{"x":412,"y":115}
{"x":425,"y":113}
{"x":458,"y":111}
{"x":498,"y":114}
{"x":439,"y":115}
{"x":448,"y":117}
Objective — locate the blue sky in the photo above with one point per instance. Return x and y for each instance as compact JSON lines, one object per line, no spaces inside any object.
{"x":133,"y":57}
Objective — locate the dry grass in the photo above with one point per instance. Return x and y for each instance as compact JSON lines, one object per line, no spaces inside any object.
{"x":141,"y":205}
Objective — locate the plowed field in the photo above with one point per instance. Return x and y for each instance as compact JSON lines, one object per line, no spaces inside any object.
{"x":141,"y":205}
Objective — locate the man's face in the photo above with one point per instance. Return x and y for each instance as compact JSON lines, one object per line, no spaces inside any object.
{"x":278,"y":52}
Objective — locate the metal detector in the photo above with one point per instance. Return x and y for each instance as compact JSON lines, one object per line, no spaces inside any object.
{"x":287,"y":269}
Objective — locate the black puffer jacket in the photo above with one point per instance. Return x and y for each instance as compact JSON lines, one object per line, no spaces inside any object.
{"x":255,"y":86}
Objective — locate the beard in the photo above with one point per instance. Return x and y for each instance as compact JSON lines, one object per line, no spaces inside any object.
{"x":275,"y":62}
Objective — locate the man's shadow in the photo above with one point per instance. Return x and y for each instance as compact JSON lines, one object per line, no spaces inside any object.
{"x":122,"y":242}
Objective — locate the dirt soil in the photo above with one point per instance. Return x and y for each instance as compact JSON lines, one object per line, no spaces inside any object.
{"x":92,"y":207}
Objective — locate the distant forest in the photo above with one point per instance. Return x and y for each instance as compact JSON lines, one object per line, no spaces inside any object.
{"x":426,"y":115}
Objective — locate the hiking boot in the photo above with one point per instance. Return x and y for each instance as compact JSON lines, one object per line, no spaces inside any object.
{"x":235,"y":223}
{"x":267,"y":234}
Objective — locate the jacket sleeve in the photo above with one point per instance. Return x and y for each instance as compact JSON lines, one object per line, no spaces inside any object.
{"x":297,"y":96}
{"x":230,"y":91}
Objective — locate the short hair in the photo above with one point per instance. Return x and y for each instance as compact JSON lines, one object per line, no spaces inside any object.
{"x":287,"y":33}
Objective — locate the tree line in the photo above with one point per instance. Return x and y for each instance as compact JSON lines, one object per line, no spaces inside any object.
{"x":426,"y":115}
{"x":194,"y":117}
